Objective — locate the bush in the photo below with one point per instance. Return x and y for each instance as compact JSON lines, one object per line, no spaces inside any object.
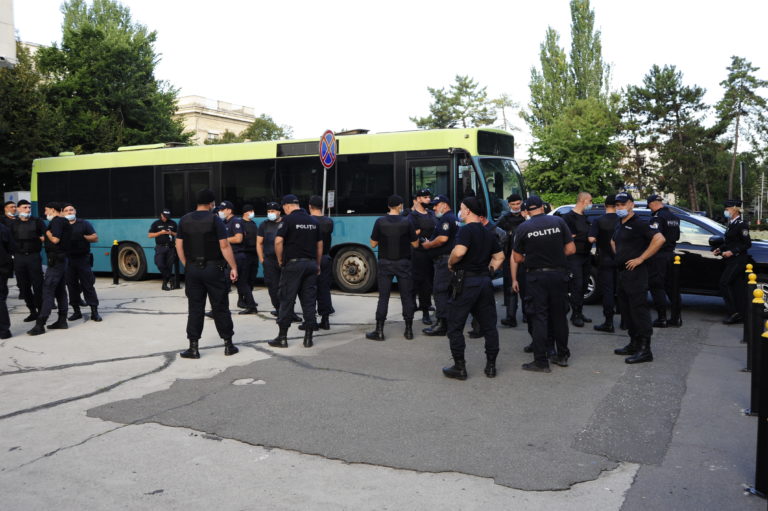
{"x":557,"y":199}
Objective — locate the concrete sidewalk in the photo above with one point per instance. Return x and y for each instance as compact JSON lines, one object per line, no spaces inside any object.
{"x":105,"y":415}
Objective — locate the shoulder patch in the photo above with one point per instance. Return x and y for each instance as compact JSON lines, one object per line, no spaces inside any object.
{"x":654,"y":225}
{"x":445,"y":226}
{"x":745,"y":232}
{"x":237,"y":225}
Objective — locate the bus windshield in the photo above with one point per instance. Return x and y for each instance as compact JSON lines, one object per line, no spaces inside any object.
{"x":503,"y":179}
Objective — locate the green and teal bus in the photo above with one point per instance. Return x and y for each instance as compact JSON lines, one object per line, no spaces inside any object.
{"x":122,"y":192}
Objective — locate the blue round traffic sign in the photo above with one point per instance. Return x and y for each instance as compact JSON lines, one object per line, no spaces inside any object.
{"x":328,"y":149}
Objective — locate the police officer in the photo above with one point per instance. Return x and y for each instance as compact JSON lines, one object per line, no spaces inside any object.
{"x":501,"y":238}
{"x":423,"y":220}
{"x":509,"y":222}
{"x":80,"y":275}
{"x":439,"y":247}
{"x":236,"y":237}
{"x":660,"y":267}
{"x":9,"y":213}
{"x":28,"y":234}
{"x":299,"y":251}
{"x":325,"y":224}
{"x":544,"y":243}
{"x":601,"y":232}
{"x":248,"y":264}
{"x":57,"y":237}
{"x":475,"y":256}
{"x":734,"y":251}
{"x":634,"y":243}
{"x":203,"y":249}
{"x":6,"y":269}
{"x":579,"y":263}
{"x":163,"y":230}
{"x":394,"y":234}
{"x":265,"y":247}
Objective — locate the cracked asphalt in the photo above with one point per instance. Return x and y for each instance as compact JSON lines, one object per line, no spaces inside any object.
{"x":106,"y":416}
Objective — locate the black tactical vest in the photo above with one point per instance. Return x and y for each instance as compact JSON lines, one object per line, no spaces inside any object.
{"x":200,"y":240}
{"x":26,"y":236}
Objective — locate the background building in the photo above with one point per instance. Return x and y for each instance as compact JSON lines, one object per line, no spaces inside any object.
{"x":208,"y":119}
{"x":7,"y":34}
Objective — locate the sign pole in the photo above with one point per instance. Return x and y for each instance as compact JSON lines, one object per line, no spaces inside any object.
{"x":327,"y":159}
{"x":325,"y":179}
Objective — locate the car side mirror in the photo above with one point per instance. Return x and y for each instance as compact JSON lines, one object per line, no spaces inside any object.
{"x":716,"y":241}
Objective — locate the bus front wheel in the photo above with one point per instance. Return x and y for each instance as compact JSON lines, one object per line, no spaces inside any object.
{"x":354,"y":270}
{"x":131,"y":261}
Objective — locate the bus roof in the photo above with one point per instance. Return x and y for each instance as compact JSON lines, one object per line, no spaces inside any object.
{"x":418,"y":140}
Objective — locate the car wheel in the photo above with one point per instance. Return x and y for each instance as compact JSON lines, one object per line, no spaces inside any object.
{"x":592,"y":296}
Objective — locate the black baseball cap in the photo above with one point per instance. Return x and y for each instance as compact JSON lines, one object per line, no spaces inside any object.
{"x":290,"y":199}
{"x":424,"y":192}
{"x":732,"y":203}
{"x":623,"y":197}
{"x":247,"y":208}
{"x":225,"y":204}
{"x":394,"y":201}
{"x":316,"y":201}
{"x":654,"y":197}
{"x":166,"y":212}
{"x":273,"y":206}
{"x":533,"y":202}
{"x":440,"y":198}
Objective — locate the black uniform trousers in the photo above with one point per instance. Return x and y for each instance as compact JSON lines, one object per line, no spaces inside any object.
{"x":209,"y":281}
{"x":5,"y":319}
{"x":606,"y":279}
{"x":80,"y":278}
{"x":401,"y":269}
{"x":659,"y":282}
{"x":54,"y":288}
{"x":423,"y":278}
{"x":324,"y":304}
{"x":247,"y":263}
{"x":272,"y":272}
{"x":546,"y":298}
{"x":298,"y":278}
{"x":29,"y":277}
{"x":478,"y":299}
{"x":580,"y":266}
{"x":633,"y":301}
{"x":164,"y":257}
{"x":733,"y":282}
{"x":441,"y":283}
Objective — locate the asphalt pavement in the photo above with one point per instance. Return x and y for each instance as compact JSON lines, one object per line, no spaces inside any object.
{"x":107,"y":416}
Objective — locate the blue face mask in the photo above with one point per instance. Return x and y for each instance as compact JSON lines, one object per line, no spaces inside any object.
{"x":70,"y":217}
{"x":727,"y":214}
{"x":621,"y":213}
{"x":587,"y":207}
{"x":25,"y":215}
{"x":272,"y":216}
{"x":438,"y":215}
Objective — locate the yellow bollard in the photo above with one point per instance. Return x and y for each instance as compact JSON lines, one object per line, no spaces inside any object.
{"x":677,"y":260}
{"x":752,"y":279}
{"x":758,"y":296}
{"x":749,"y":269}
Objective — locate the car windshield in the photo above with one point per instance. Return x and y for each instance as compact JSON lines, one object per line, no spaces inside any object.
{"x":503,"y":179}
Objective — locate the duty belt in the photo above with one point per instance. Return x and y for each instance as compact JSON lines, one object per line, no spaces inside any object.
{"x":547,"y":268}
{"x":299,"y":259}
{"x":437,"y":258}
{"x":476,"y":274}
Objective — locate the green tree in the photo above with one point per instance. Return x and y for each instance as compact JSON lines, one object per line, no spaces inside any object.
{"x":464,"y":104}
{"x":550,"y":87}
{"x":742,"y":108}
{"x":29,"y":127}
{"x":501,"y":104}
{"x":589,"y":74}
{"x":102,"y":80}
{"x":262,"y":128}
{"x":577,"y":151}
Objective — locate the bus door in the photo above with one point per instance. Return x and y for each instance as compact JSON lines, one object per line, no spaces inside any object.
{"x":179,"y":186}
{"x":434,"y":174}
{"x":468,"y":182}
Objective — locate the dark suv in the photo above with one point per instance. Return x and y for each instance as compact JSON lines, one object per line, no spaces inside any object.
{"x":700,"y":270}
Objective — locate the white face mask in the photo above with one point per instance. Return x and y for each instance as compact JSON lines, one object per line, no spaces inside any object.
{"x":25,"y":215}
{"x":515,"y":210}
{"x":49,"y":217}
{"x":70,"y":217}
{"x":222,"y":215}
{"x":272,"y":216}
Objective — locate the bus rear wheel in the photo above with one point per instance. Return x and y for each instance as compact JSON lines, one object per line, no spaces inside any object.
{"x":131,"y":262}
{"x":354,"y":270}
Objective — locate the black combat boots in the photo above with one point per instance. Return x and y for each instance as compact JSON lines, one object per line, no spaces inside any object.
{"x":408,"y":333}
{"x":95,"y":316}
{"x":191,"y":352}
{"x":457,"y":371}
{"x":166,"y":286}
{"x":661,"y":321}
{"x":629,"y":349}
{"x":490,"y":366}
{"x":324,"y":323}
{"x":643,"y":352}
{"x":60,"y":324}
{"x":229,"y":348}
{"x":39,"y":327}
{"x":675,"y":321}
{"x":425,"y":318}
{"x":439,"y":328}
{"x":76,"y":314}
{"x":308,"y":337}
{"x":606,"y":326}
{"x":32,"y":316}
{"x":378,"y":333}
{"x":281,"y":341}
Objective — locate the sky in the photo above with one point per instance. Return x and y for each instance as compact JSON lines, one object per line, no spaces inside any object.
{"x":317,"y":65}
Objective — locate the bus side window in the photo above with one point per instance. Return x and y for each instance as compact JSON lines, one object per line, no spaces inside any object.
{"x":429,"y":174}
